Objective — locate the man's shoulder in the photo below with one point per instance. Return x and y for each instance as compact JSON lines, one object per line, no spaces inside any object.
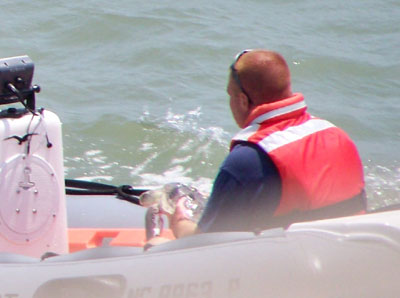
{"x":244,"y":152}
{"x":248,"y":159}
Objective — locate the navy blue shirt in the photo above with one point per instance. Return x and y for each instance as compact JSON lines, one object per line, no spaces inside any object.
{"x":245,"y":194}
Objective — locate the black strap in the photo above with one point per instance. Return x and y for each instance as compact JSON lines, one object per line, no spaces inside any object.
{"x":123,"y":192}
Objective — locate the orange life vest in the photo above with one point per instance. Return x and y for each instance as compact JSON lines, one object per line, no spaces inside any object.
{"x":318,"y":163}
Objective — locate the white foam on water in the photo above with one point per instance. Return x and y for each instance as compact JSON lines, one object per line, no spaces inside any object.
{"x":192,"y":122}
{"x":177,"y":174}
{"x":181,"y":160}
{"x":146,"y":146}
{"x":93,"y":152}
{"x":382,"y":184}
{"x":139,"y":168}
{"x":95,"y":178}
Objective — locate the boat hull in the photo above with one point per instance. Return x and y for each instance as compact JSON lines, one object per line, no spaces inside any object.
{"x":346,"y":257}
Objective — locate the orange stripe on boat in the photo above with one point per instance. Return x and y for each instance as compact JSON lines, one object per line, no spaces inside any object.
{"x":80,"y":239}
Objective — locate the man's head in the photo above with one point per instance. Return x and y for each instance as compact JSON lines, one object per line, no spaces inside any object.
{"x":257,"y":77}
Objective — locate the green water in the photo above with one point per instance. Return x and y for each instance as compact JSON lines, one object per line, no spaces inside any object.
{"x":140,"y":86}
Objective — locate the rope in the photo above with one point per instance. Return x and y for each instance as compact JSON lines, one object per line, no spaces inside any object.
{"x":122,"y":192}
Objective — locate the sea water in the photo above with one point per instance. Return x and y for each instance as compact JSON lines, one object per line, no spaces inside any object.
{"x":140,"y":86}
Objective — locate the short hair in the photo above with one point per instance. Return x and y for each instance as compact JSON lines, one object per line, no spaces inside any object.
{"x":265,"y":75}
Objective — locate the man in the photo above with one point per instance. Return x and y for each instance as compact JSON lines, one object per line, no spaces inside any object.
{"x":285,"y":165}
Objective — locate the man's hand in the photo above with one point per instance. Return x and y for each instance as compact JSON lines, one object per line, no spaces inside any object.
{"x":180,"y":222}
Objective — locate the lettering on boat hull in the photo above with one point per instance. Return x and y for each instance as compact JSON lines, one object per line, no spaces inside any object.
{"x":205,"y":289}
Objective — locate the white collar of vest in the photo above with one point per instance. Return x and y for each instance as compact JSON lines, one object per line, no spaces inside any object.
{"x":276,"y":109}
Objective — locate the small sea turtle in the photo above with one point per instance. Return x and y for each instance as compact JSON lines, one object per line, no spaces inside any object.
{"x":163,"y":201}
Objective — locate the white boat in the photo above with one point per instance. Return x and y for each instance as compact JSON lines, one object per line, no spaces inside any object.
{"x":346,"y":257}
{"x":101,"y":255}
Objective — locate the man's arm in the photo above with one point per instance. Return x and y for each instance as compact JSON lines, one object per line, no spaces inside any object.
{"x":245,"y":195}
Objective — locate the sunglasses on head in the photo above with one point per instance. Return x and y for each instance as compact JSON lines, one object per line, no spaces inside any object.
{"x":235,"y":74}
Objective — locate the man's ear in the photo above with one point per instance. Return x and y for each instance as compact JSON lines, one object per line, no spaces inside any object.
{"x":244,"y":102}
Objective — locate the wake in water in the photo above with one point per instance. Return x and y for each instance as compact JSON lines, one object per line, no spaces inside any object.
{"x":177,"y":149}
{"x":382,"y":184}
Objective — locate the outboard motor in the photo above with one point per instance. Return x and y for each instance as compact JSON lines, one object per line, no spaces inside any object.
{"x":32,"y":191}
